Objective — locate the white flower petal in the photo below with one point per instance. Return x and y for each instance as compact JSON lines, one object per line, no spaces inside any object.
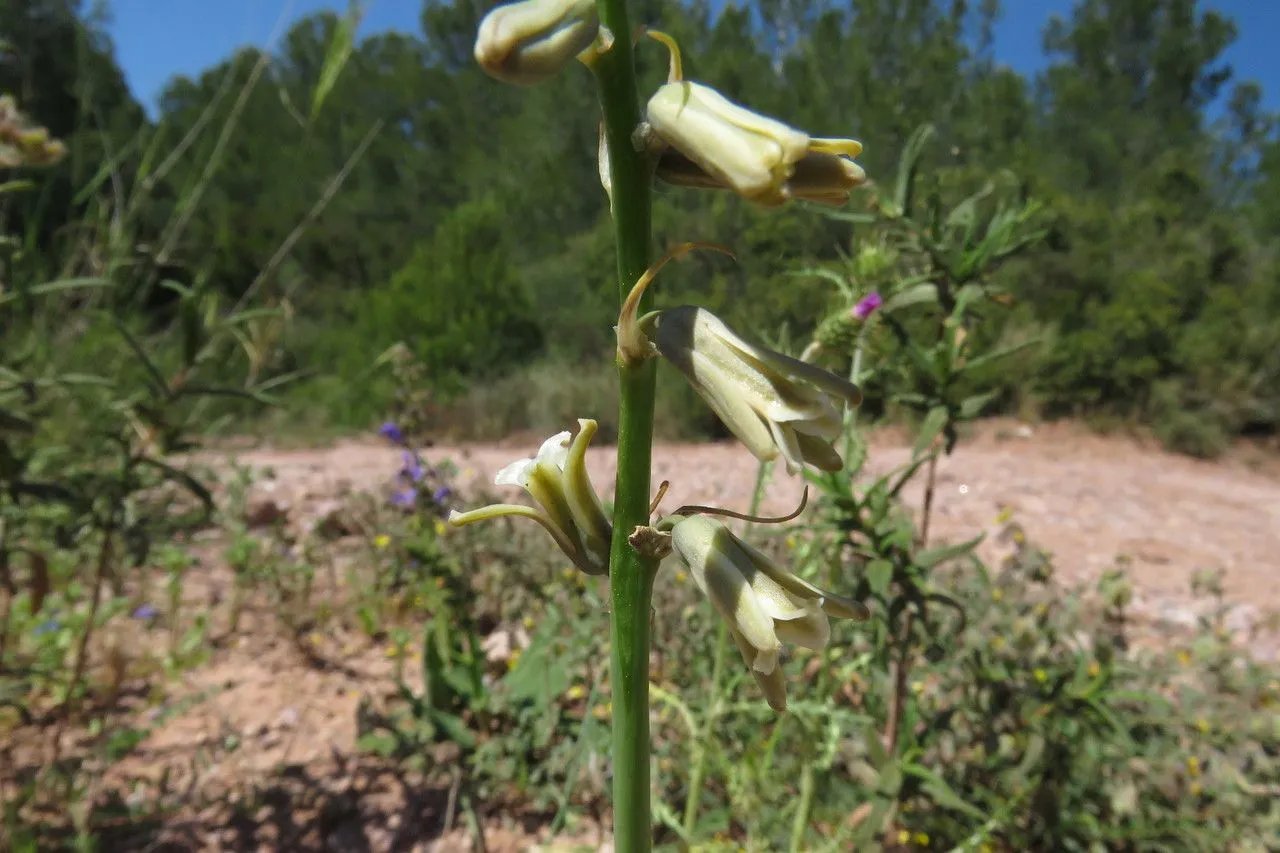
{"x":555,"y":450}
{"x":516,"y":474}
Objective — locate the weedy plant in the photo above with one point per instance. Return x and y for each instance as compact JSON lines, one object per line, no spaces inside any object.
{"x":96,"y":411}
{"x":86,"y":490}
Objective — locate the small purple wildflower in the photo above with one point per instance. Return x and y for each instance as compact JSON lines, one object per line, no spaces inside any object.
{"x":47,"y":627}
{"x":441,"y":494}
{"x":146,"y":612}
{"x":412,"y":470}
{"x":392,"y":432}
{"x":406,"y":498}
{"x":867,"y":305}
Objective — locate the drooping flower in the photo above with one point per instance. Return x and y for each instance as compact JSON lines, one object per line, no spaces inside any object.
{"x":867,"y":305}
{"x":567,"y":503}
{"x":145,"y":613}
{"x":528,"y":42}
{"x":715,"y":143}
{"x":773,"y":403}
{"x":764,"y":604}
{"x":441,"y":494}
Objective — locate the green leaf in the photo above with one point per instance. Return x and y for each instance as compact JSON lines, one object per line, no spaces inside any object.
{"x":914,"y":295}
{"x":160,"y":386}
{"x":908,"y":164}
{"x":1035,"y":749}
{"x":336,"y":57}
{"x":10,"y":422}
{"x":934,"y":556}
{"x":934,"y":422}
{"x":190,"y":483}
{"x":879,"y":574}
{"x":538,"y":676}
{"x":974,"y":364}
{"x":972,"y":406}
{"x":875,"y":749}
{"x":453,"y":727}
{"x":55,"y":287}
{"x":942,"y":793}
{"x":379,"y":743}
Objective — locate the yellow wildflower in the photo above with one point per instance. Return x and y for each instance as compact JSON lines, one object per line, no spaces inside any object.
{"x":575,"y":692}
{"x":917,"y":687}
{"x":904,"y":836}
{"x":997,"y":594}
{"x":1005,"y":515}
{"x":514,"y":659}
{"x":922,"y":839}
{"x":1094,"y":669}
{"x":681,"y":576}
{"x":527,"y":622}
{"x":1041,"y":676}
{"x":1019,"y":537}
{"x":997,"y":643}
{"x":441,"y":527}
{"x":381,"y":541}
{"x":1196,"y":789}
{"x":1202,"y":725}
{"x":1193,"y":767}
{"x":1184,"y":658}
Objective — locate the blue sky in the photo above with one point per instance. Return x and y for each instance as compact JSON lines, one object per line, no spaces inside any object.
{"x":156,"y":39}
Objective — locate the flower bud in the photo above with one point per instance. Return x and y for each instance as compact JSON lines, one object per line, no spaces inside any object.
{"x":528,"y":42}
{"x":715,"y":143}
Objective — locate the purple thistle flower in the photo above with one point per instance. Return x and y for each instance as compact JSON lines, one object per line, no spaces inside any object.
{"x":392,"y":432}
{"x":47,"y":627}
{"x":412,"y":470}
{"x":146,"y":612}
{"x":407,"y":498}
{"x":867,"y":305}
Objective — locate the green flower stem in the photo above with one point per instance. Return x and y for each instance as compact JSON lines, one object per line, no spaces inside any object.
{"x":631,"y":577}
{"x":698,"y":775}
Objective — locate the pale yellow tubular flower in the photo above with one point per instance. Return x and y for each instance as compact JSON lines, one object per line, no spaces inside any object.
{"x":764,"y":604}
{"x":746,"y":151}
{"x":528,"y":42}
{"x":568,"y":506}
{"x":774,"y":404}
{"x":715,"y":143}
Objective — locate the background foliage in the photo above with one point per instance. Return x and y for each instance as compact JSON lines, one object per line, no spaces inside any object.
{"x":1159,"y":286}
